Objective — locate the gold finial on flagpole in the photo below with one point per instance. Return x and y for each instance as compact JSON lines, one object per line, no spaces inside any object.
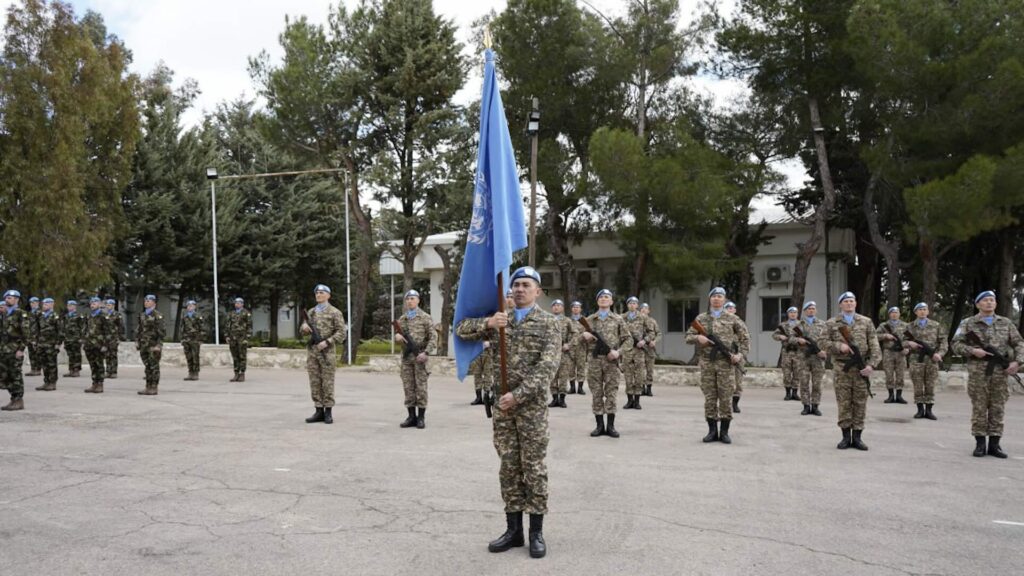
{"x":488,"y":40}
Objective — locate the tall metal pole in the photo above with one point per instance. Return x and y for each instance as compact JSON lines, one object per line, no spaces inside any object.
{"x":391,"y":299}
{"x":533,"y":193}
{"x":348,"y":278}
{"x":216,"y":291}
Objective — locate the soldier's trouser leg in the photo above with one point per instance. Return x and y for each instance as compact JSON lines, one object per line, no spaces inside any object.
{"x":737,"y":382}
{"x":580,"y":364}
{"x":48,"y":359}
{"x":562,"y":379}
{"x":192,"y":356}
{"x":988,"y":400}
{"x":111,"y":359}
{"x":14,"y":378}
{"x":917,"y":376}
{"x":630,"y":373}
{"x":321,"y":367}
{"x":74,"y":352}
{"x":851,"y":399}
{"x":33,"y":357}
{"x":414,"y":383}
{"x":716,"y":382}
{"x":893,"y":364}
{"x":243,"y":352}
{"x":649,"y":368}
{"x":521,"y":440}
{"x":789,"y":376}
{"x":603,"y":377}
{"x":95,"y":356}
{"x":815,"y":373}
{"x":151,"y":360}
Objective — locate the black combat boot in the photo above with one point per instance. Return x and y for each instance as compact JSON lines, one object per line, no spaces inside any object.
{"x":736,"y":404}
{"x":599,"y":431}
{"x":928,"y":412}
{"x":723,"y":436}
{"x":899,"y":397}
{"x":920,"y":410}
{"x":629,"y":404}
{"x":712,"y":431}
{"x":845,"y":442}
{"x":610,"y":430}
{"x":410,"y":421}
{"x":796,"y":395}
{"x":572,"y":386}
{"x":891,"y":397}
{"x":421,"y":421}
{"x":636,"y":403}
{"x":650,"y":390}
{"x":318,"y":416}
{"x":994,"y":449}
{"x":979,"y":446}
{"x":856,"y":443}
{"x":806,"y":410}
{"x":328,"y":417}
{"x":814,"y":410}
{"x":554,"y":401}
{"x":537,"y":547}
{"x":789,"y":393}
{"x":478,"y":400}
{"x":580,"y":390}
{"x":513,"y":536}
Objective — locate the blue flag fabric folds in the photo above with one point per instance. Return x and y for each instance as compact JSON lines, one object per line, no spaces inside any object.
{"x":498,"y":227}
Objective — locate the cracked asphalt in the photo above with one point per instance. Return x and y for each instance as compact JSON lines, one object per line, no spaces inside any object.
{"x":212,"y":477}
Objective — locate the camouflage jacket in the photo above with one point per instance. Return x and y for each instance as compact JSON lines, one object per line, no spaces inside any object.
{"x":897,"y":327}
{"x":613,"y":330}
{"x":74,"y":327}
{"x":932,"y":334}
{"x":569,"y":330}
{"x":17,"y":328}
{"x":581,"y":344}
{"x":421,"y":330}
{"x":784,"y":334}
{"x":638,"y":327}
{"x":817,"y":332}
{"x":653,"y":335}
{"x":533,"y":348}
{"x":97,"y":330}
{"x":329,"y":324}
{"x":116,"y":331}
{"x":33,"y":330}
{"x":864,"y":337}
{"x":1002,"y":335}
{"x":729,"y":328}
{"x":239,"y":325}
{"x":49,"y":331}
{"x":193,"y":328}
{"x":150,"y":331}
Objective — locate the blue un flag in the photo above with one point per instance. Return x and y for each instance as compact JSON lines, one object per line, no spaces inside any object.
{"x":498,"y":227}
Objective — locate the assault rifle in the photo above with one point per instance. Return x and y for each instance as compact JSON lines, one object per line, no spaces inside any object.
{"x":812,"y":346}
{"x":601,"y":348}
{"x":856,"y":358}
{"x":925,"y":351}
{"x":718,"y":347}
{"x":314,"y":334}
{"x":410,"y":347}
{"x":784,"y":328}
{"x":994,"y":358}
{"x":897,"y":344}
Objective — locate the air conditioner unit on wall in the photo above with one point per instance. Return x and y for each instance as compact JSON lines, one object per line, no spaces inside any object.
{"x":777,"y":274}
{"x":588,"y":277}
{"x":551,"y":280}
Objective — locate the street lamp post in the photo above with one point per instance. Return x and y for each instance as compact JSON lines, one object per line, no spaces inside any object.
{"x":211,"y":175}
{"x":532,"y":128}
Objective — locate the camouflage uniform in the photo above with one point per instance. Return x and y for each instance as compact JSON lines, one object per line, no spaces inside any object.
{"x":34,"y":366}
{"x":812,"y":368}
{"x":329,"y":323}
{"x":96,"y":337}
{"x":49,"y":336}
{"x":420,"y":328}
{"x":988,"y":393}
{"x":521,"y":434}
{"x":193,"y":332}
{"x":580,"y":353}
{"x":74,"y":330}
{"x":603,"y":374}
{"x":791,"y":359}
{"x":893,"y":359}
{"x":150,"y":335}
{"x":238,"y":330}
{"x":651,"y":352}
{"x":924,"y":372}
{"x":718,"y":376}
{"x":634,"y":361}
{"x":116,"y":321}
{"x":482,"y":369}
{"x":17,"y":326}
{"x":570,"y":333}
{"x":851,"y":388}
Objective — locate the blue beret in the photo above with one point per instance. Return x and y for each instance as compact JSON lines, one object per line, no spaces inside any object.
{"x":508,"y":293}
{"x":34,"y":299}
{"x":716,"y":290}
{"x":45,"y":300}
{"x":576,"y":303}
{"x":111,"y":300}
{"x":645,"y":305}
{"x":791,"y":309}
{"x":556,"y":301}
{"x":846,"y":296}
{"x":190,"y":303}
{"x":412,"y":294}
{"x":605,"y":292}
{"x":94,"y":299}
{"x":526,"y":272}
{"x":14,"y":293}
{"x":984,"y":294}
{"x":919,"y":305}
{"x":809,"y":303}
{"x":72,"y":303}
{"x":632,"y":299}
{"x":729,"y":304}
{"x":240,"y":299}
{"x":894,"y":309}
{"x":322,"y":288}
{"x":148,"y":297}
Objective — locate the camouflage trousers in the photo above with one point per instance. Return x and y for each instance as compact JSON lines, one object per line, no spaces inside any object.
{"x":74,"y":352}
{"x":48,"y":363}
{"x":239,"y":349}
{"x":634,"y":368}
{"x":96,"y":357}
{"x":893,"y":362}
{"x":321,"y":367}
{"x":812,"y":372}
{"x":482,"y":369}
{"x":33,"y":358}
{"x":151,"y":361}
{"x":580,"y":357}
{"x":111,"y":360}
{"x":560,"y":385}
{"x":649,"y":357}
{"x":738,"y":381}
{"x":414,"y":383}
{"x":603,"y":376}
{"x":521,"y":440}
{"x":717,"y":382}
{"x":988,"y":399}
{"x":191,"y":356}
{"x":924,"y":375}
{"x":14,"y":380}
{"x":851,"y":398}
{"x":790,"y":363}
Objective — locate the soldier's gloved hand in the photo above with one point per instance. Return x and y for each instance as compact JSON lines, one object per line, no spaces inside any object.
{"x":703,"y":340}
{"x":868,"y":370}
{"x":613,"y":355}
{"x":422,"y":358}
{"x":937,"y":358}
{"x":322,"y":345}
{"x":979,"y":353}
{"x":1012,"y":368}
{"x":499,"y":320}
{"x":589,"y":337}
{"x":507,"y":402}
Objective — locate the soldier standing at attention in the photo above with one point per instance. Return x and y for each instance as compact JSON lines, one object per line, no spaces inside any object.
{"x":193,"y":330}
{"x":116,"y":321}
{"x":988,"y":393}
{"x":737,"y":393}
{"x":95,"y":339}
{"x":74,"y":330}
{"x":578,"y":353}
{"x":417,"y":325}
{"x":635,"y":358}
{"x":520,"y":423}
{"x":611,"y":340}
{"x":812,"y":370}
{"x":650,"y":348}
{"x":149,"y":339}
{"x":570,"y":334}
{"x":49,"y":336}
{"x":482,"y":370}
{"x":852,"y":386}
{"x":321,"y":359}
{"x":924,"y":369}
{"x":894,"y":354}
{"x":17,"y":326}
{"x":34,"y":366}
{"x":790,"y":358}
{"x":718,"y":370}
{"x":238,"y":330}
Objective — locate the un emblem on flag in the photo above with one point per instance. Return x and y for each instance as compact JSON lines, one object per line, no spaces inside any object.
{"x":480,"y":224}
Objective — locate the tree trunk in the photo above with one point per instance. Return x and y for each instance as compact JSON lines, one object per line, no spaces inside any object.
{"x":559,"y":248}
{"x":408,"y":270}
{"x":275,"y":305}
{"x":929,"y":270}
{"x":890,"y":251}
{"x":451,"y":266}
{"x":177,"y":315}
{"x":1004,"y":292}
{"x":363,"y":261}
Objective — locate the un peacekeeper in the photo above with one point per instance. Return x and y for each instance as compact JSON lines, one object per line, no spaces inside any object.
{"x":149,"y":339}
{"x":570,"y":335}
{"x":34,"y":366}
{"x":482,"y":369}
{"x":17,"y":327}
{"x":737,"y":393}
{"x":852,"y":386}
{"x":812,"y":370}
{"x":49,"y":336}
{"x":521,"y":420}
{"x":321,"y":359}
{"x":988,"y":393}
{"x":578,"y":353}
{"x":95,"y":340}
{"x":894,"y":354}
{"x":718,"y":375}
{"x":193,"y":331}
{"x":239,"y":329}
{"x":74,"y":331}
{"x":650,"y":347}
{"x":790,"y":358}
{"x":604,"y":372}
{"x":418,"y":326}
{"x":924,"y":369}
{"x":635,"y":358}
{"x":116,"y":321}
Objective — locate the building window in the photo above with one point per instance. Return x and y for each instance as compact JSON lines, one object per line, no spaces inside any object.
{"x":681,"y":313}
{"x":773,"y":311}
